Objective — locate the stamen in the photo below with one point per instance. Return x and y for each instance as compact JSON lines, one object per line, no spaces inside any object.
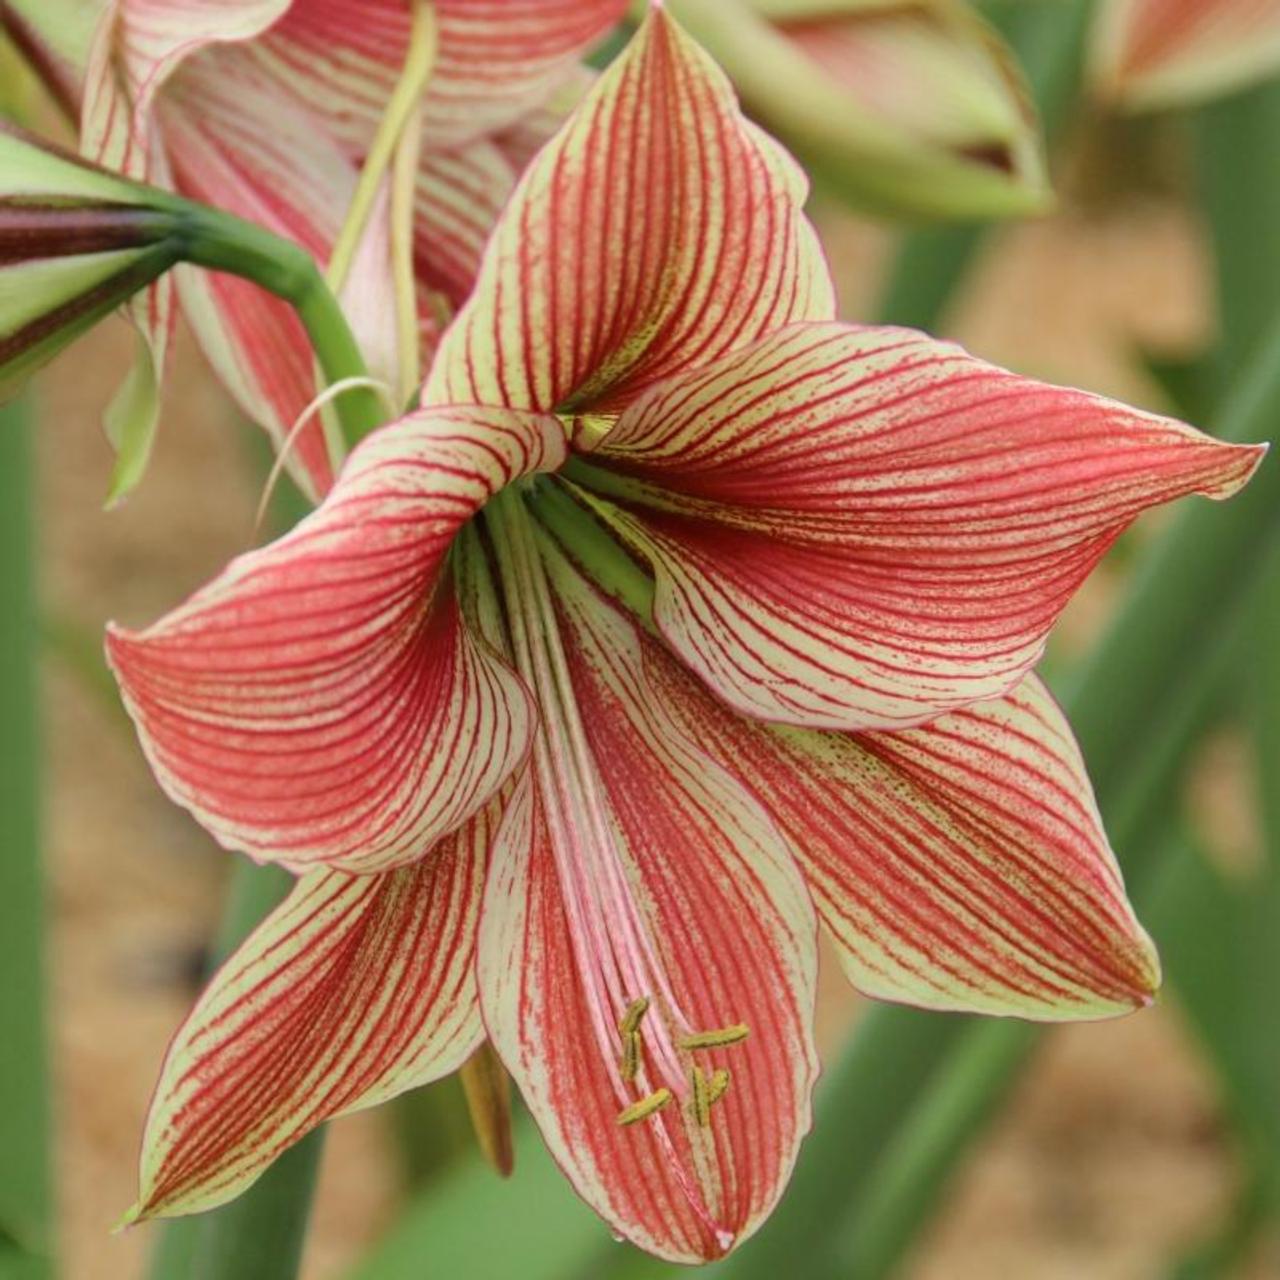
{"x":701,"y":1098}
{"x":646,"y":1107}
{"x":634,"y":1016}
{"x":719,"y":1085}
{"x":716,"y":1039}
{"x":630,"y":1055}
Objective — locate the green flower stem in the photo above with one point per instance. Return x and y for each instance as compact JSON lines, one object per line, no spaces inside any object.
{"x":25,"y":1197}
{"x":219,"y":241}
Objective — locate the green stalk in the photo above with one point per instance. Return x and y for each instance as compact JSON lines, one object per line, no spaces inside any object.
{"x":219,"y":241}
{"x":26,"y":1211}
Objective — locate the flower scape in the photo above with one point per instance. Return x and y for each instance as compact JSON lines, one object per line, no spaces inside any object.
{"x":675,"y":622}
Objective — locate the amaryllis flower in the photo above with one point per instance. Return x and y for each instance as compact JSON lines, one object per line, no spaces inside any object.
{"x":678,"y":619}
{"x":910,"y":108}
{"x":1156,"y":53}
{"x":267,"y":108}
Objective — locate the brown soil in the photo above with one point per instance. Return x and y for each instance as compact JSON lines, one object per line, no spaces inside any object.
{"x":1111,"y":1154}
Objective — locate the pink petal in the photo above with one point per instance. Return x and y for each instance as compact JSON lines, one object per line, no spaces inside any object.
{"x":862,"y":528}
{"x":658,"y":229}
{"x":353,"y":990}
{"x":1153,"y":53}
{"x":496,"y":59}
{"x":711,"y":904}
{"x":292,"y":179}
{"x":323,"y":700}
{"x":958,"y":866}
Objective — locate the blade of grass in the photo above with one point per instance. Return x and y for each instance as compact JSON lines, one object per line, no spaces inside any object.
{"x":26,"y":1226}
{"x":477,"y":1225}
{"x":1239,"y":185}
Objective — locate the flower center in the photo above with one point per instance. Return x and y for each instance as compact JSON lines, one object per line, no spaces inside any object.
{"x":586,"y":431}
{"x":638,"y":1025}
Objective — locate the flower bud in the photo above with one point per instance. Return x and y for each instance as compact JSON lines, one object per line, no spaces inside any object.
{"x":1161,"y":53}
{"x":914,"y":110}
{"x":75,"y":243}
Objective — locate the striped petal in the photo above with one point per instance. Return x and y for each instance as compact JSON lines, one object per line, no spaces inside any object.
{"x":679,"y":889}
{"x":153,"y":38}
{"x":353,"y":990}
{"x":290,"y":178}
{"x":496,"y":59}
{"x":862,"y":528}
{"x":460,"y":194}
{"x":1158,"y":53}
{"x":323,"y":700}
{"x":959,"y":866}
{"x":657,"y":230}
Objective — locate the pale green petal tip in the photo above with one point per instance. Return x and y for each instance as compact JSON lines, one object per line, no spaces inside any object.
{"x":130,"y":424}
{"x":129,"y":1218}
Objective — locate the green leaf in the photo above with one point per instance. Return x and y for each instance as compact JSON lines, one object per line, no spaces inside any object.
{"x":25,"y":1203}
{"x":475,"y":1224}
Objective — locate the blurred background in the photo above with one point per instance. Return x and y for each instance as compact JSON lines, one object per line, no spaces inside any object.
{"x":945,"y":1148}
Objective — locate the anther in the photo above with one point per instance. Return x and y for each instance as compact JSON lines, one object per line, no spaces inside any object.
{"x":646,"y":1107}
{"x":718,"y":1085}
{"x":634,"y":1016}
{"x":630,"y":1054}
{"x":701,"y":1098}
{"x":716,"y":1039}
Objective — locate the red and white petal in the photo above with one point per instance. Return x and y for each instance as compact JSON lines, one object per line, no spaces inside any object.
{"x":658,"y":230}
{"x":858,"y":528}
{"x":292,"y":179}
{"x":322,"y":701}
{"x":153,"y":38}
{"x":460,"y":194}
{"x":732,"y":933}
{"x":495,"y":60}
{"x":353,"y":990}
{"x":958,"y":866}
{"x":1154,"y":53}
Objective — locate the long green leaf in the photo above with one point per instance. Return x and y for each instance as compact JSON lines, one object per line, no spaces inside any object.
{"x":25,"y":1199}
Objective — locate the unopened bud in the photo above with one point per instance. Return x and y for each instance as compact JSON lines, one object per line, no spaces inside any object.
{"x":914,"y":110}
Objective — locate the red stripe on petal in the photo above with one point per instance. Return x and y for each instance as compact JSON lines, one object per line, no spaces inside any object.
{"x":861,"y":528}
{"x":958,"y":866}
{"x":658,"y":229}
{"x":322,"y":701}
{"x":626,"y":840}
{"x":352,"y":991}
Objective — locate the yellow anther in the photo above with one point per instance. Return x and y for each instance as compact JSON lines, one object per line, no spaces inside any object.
{"x":701,"y":1097}
{"x":634,"y":1016}
{"x":716,"y":1039}
{"x":718,"y":1085}
{"x":630,"y":1054}
{"x":646,"y":1107}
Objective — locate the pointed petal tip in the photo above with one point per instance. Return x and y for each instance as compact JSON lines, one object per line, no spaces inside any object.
{"x":1240,"y":464}
{"x":131,"y":1217}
